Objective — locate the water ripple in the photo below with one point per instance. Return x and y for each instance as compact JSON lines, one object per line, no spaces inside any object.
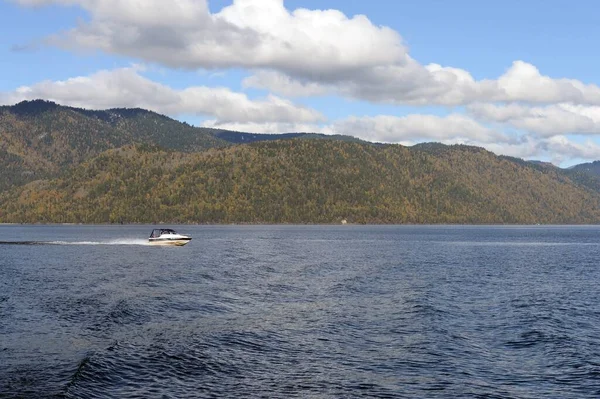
{"x":302,"y":312}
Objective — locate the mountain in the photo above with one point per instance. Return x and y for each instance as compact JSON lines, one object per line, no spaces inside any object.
{"x":579,"y":176}
{"x":65,"y":164}
{"x":592,"y":168}
{"x":303,"y":181}
{"x":247,"y":138}
{"x":39,"y":139}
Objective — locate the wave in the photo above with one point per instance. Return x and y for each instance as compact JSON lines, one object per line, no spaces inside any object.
{"x":518,"y":243}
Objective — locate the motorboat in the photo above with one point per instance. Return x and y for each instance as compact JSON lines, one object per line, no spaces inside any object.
{"x":168,"y":237}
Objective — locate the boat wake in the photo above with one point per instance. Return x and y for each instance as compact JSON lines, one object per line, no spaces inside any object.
{"x":110,"y":242}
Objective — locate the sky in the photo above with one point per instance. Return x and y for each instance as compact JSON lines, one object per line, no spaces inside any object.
{"x":519,"y":78}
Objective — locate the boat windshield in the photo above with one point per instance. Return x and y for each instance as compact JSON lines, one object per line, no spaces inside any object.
{"x":158,"y":232}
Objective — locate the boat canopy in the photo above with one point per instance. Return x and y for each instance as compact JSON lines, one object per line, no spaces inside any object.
{"x":158,"y":232}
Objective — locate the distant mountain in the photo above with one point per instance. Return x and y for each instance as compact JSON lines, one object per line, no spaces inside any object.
{"x":580,"y":176}
{"x":247,"y":138}
{"x":303,"y":181}
{"x":592,"y":168}
{"x":39,"y":139}
{"x":574,"y":176}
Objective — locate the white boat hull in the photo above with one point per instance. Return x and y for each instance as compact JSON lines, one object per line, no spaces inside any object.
{"x":169,"y":242}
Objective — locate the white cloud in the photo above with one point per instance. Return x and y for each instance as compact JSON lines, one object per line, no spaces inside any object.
{"x":561,"y":148}
{"x":524,"y":82}
{"x":248,"y":33}
{"x":301,"y":52}
{"x":551,"y":120}
{"x":385,"y":129}
{"x":403,"y":83}
{"x":284,"y":85}
{"x":557,"y":149}
{"x":414,"y":128}
{"x":125,"y":87}
{"x":433,"y":84}
{"x":270,"y":127}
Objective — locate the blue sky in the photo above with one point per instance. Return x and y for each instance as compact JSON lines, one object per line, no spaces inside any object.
{"x":516,"y":77}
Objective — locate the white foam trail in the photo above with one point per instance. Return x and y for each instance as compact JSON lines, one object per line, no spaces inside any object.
{"x":123,"y":241}
{"x":128,"y":241}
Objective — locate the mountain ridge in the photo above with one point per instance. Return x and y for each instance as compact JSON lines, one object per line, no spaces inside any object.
{"x":66,"y":164}
{"x":302,"y":181}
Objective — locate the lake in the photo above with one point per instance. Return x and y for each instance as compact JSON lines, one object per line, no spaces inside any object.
{"x":300,"y":311}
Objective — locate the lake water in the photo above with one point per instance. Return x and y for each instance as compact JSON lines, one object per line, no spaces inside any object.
{"x":301,"y":311}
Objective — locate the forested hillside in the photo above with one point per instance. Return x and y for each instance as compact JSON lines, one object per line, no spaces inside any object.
{"x":303,"y":181}
{"x":592,"y":168}
{"x":65,"y":164}
{"x":40,"y":139}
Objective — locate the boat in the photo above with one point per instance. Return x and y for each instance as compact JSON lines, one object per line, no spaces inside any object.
{"x":168,"y":237}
